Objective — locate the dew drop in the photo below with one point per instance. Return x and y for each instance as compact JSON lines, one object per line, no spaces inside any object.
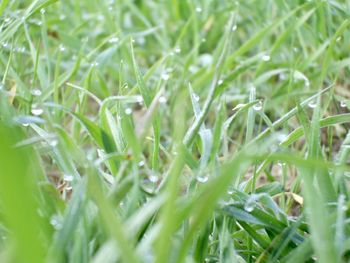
{"x":36,"y":110}
{"x":230,"y":191}
{"x":266,"y":57}
{"x":94,"y":64}
{"x":282,"y":76}
{"x":42,"y":11}
{"x":281,"y":164}
{"x":281,"y":137}
{"x":258,"y":106}
{"x":312,"y":104}
{"x":234,"y":27}
{"x":199,"y":9}
{"x":249,"y":205}
{"x":128,"y":111}
{"x":307,"y":83}
{"x":177,"y":50}
{"x":205,"y":60}
{"x":53,"y":143}
{"x":220,"y":81}
{"x":195,"y":97}
{"x":338,"y":39}
{"x":68,"y":177}
{"x":162,"y":100}
{"x":202,"y":179}
{"x":141,"y":164}
{"x":113,"y":40}
{"x":193,"y":69}
{"x":139,"y":100}
{"x":36,"y":92}
{"x":153,"y":178}
{"x":165,"y":76}
{"x":56,"y":222}
{"x":343,"y":104}
{"x":21,"y":50}
{"x":61,"y":48}
{"x":141,"y":41}
{"x":25,"y":124}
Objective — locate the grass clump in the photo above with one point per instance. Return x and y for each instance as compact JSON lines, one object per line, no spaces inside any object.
{"x":174,"y":131}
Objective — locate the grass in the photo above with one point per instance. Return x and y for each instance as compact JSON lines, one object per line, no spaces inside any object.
{"x":174,"y":131}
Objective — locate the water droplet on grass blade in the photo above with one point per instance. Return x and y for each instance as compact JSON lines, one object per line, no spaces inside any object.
{"x":195,"y":97}
{"x":62,"y":48}
{"x":230,"y":190}
{"x":55,"y":222}
{"x":128,"y":111}
{"x":198,"y":9}
{"x":220,"y":81}
{"x":258,"y":106}
{"x":141,"y":164}
{"x":139,"y":100}
{"x":36,"y":92}
{"x":249,"y":205}
{"x":165,"y":76}
{"x":307,"y":83}
{"x":68,"y":177}
{"x":113,"y":40}
{"x":266,"y":57}
{"x":153,"y":178}
{"x":42,"y":11}
{"x":53,"y":143}
{"x":312,"y":104}
{"x":202,"y":179}
{"x":162,"y":100}
{"x":281,"y":164}
{"x":177,"y":50}
{"x":36,"y":110}
{"x":234,"y":27}
{"x":343,"y":104}
{"x":205,"y":60}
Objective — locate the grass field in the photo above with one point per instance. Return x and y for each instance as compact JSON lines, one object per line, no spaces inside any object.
{"x":174,"y":131}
